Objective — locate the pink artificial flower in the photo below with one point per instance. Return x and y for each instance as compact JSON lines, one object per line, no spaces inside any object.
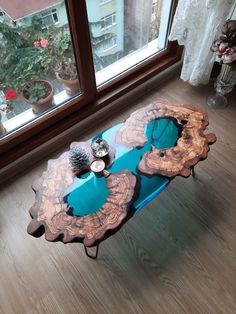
{"x":215,"y":46}
{"x":230,"y":55}
{"x":43,"y":43}
{"x":36,"y":43}
{"x":223,"y":47}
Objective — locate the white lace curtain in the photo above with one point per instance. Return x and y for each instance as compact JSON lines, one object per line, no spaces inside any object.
{"x":196,"y":24}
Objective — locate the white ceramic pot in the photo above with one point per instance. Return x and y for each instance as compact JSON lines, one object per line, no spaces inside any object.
{"x":3,"y":113}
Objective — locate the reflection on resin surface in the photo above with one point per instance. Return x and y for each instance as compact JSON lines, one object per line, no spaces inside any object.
{"x":89,"y":192}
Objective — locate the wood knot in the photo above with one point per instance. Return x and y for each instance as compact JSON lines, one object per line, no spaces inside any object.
{"x":183,"y":121}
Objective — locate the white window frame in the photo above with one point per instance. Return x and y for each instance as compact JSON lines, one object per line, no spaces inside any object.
{"x":111,"y":16}
{"x":50,"y":13}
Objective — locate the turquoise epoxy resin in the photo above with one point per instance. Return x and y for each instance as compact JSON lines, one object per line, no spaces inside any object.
{"x":89,"y":191}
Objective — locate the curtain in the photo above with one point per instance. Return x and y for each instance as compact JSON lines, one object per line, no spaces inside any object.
{"x":196,"y":24}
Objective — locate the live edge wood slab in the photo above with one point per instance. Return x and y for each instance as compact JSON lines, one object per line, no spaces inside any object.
{"x":191,"y":147}
{"x":51,"y":212}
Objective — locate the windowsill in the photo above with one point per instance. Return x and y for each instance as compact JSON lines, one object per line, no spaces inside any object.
{"x":102,"y":76}
{"x":129,"y":61}
{"x":28,"y":116}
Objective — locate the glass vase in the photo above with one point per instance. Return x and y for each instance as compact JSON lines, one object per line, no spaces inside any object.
{"x":224,"y":84}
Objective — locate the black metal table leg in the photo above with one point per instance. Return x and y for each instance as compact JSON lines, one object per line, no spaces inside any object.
{"x":91,"y":256}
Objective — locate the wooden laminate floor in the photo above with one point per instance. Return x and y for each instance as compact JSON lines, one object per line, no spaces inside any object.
{"x":178,"y":255}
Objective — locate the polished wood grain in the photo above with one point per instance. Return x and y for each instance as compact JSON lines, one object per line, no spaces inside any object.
{"x":50,"y":210}
{"x":178,"y":255}
{"x":192,"y":145}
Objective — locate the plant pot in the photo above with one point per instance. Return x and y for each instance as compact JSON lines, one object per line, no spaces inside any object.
{"x":3,"y":113}
{"x":44,"y":103}
{"x":72,"y":87}
{"x":2,"y":129}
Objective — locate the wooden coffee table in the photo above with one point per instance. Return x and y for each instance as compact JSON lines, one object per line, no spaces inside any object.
{"x":154,"y":145}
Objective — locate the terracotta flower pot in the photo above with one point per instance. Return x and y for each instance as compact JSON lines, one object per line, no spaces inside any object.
{"x":72,"y":87}
{"x":44,"y":103}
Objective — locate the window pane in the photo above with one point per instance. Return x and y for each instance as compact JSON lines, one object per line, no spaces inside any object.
{"x":47,"y":20}
{"x":38,"y":71}
{"x":125,"y":33}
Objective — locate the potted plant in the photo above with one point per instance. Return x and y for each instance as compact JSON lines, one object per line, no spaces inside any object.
{"x":8,"y":96}
{"x":67,"y":76}
{"x":23,"y":62}
{"x":36,"y":91}
{"x":66,"y":71}
{"x":39,"y":94}
{"x":59,"y":57}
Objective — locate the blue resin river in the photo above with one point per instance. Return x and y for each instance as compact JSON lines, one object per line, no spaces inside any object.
{"x":89,"y":192}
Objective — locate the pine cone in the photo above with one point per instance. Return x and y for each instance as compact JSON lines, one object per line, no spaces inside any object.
{"x":78,"y":158}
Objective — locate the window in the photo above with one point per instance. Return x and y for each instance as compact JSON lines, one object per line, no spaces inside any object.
{"x":108,"y":21}
{"x":109,"y":43}
{"x":2,"y":16}
{"x":122,"y":57}
{"x":38,"y":69}
{"x":101,"y":2}
{"x":154,"y":6}
{"x":50,"y":17}
{"x":139,"y":32}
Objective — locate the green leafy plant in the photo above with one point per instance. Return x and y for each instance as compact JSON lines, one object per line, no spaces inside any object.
{"x":66,"y":65}
{"x":36,"y":90}
{"x":57,"y":55}
{"x":20,"y":58}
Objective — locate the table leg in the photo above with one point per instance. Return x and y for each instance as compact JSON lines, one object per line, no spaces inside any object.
{"x":91,"y":256}
{"x":193,"y":172}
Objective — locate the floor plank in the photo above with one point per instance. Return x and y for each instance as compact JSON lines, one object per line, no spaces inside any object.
{"x":176,"y":256}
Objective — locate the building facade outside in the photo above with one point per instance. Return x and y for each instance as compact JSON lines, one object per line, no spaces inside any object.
{"x":106,"y":17}
{"x":53,"y":14}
